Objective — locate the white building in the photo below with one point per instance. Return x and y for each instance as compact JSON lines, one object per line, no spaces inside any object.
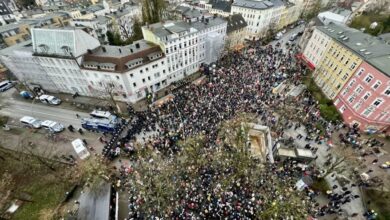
{"x":316,"y":47}
{"x":260,"y":15}
{"x":188,"y":44}
{"x":71,"y":61}
{"x":337,"y":16}
{"x":99,"y":25}
{"x":133,"y":70}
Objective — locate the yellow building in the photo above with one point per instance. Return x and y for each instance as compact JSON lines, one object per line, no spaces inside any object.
{"x":283,"y":22}
{"x":290,"y":14}
{"x":338,"y":63}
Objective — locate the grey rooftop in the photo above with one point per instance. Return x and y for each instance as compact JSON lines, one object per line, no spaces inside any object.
{"x":173,"y":27}
{"x":259,"y":5}
{"x":371,"y":49}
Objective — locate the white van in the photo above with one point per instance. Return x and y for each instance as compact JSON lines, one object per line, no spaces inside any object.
{"x":80,"y":148}
{"x":100,"y":114}
{"x":49,"y":99}
{"x":31,"y":122}
{"x":52,"y":126}
{"x":5,"y":85}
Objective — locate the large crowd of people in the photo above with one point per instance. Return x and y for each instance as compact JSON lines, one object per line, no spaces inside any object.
{"x":239,"y":82}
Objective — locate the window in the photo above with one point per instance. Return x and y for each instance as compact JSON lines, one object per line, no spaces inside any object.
{"x":353,"y":65}
{"x":357,"y":106}
{"x":377,"y":102}
{"x":376,"y":85}
{"x":345,"y":91}
{"x":131,"y":75}
{"x":342,"y":109}
{"x":140,"y":71}
{"x":367,"y":112}
{"x":368,"y":79}
{"x":387,"y":91}
{"x":143,"y":80}
{"x":352,"y":82}
{"x":366,"y":96}
{"x":117,"y":77}
{"x":351,"y":99}
{"x":134,"y":84}
{"x":359,"y":73}
{"x":359,"y":89}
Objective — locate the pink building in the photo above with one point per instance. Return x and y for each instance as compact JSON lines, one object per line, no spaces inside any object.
{"x":365,"y":98}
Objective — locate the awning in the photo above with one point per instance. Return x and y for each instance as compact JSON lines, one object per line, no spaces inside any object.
{"x":307,"y":62}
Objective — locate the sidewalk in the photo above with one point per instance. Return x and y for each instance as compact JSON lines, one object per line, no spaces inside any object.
{"x":143,"y":103}
{"x":356,"y":205}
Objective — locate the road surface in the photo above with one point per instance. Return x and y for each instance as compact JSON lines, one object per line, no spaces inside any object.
{"x":285,"y":38}
{"x":17,"y":109}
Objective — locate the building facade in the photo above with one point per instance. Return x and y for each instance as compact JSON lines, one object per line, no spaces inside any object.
{"x":354,"y":71}
{"x":188,"y":44}
{"x":316,"y":48}
{"x":71,"y":61}
{"x":262,"y":16}
{"x":236,"y":29}
{"x":365,"y":99}
{"x":337,"y":64}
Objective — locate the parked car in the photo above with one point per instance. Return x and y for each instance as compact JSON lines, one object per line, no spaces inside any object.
{"x":5,"y":85}
{"x":385,"y":165}
{"x":293,"y":37}
{"x":49,"y":99}
{"x":26,"y":95}
{"x":31,"y":122}
{"x":53,"y":126}
{"x":101,"y":114}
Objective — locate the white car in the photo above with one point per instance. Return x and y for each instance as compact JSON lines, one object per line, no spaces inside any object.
{"x":80,"y":148}
{"x":49,"y":99}
{"x":52,"y":126}
{"x":5,"y":85}
{"x":31,"y":122}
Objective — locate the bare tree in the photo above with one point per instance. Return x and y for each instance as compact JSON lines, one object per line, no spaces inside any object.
{"x":44,"y":155}
{"x":108,"y":91}
{"x":342,"y":159}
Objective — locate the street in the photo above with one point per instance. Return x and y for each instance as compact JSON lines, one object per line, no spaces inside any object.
{"x":286,"y":36}
{"x":17,"y":109}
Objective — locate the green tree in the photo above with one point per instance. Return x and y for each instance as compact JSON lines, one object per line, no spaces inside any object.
{"x":114,"y":38}
{"x":153,"y":11}
{"x":310,"y":14}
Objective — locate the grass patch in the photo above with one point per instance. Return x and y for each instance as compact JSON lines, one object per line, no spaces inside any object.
{"x":327,"y":109}
{"x":320,"y":185}
{"x":366,"y":19}
{"x":45,"y":188}
{"x":379,"y":202}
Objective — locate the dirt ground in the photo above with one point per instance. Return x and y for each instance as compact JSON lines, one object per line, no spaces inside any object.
{"x":38,"y":142}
